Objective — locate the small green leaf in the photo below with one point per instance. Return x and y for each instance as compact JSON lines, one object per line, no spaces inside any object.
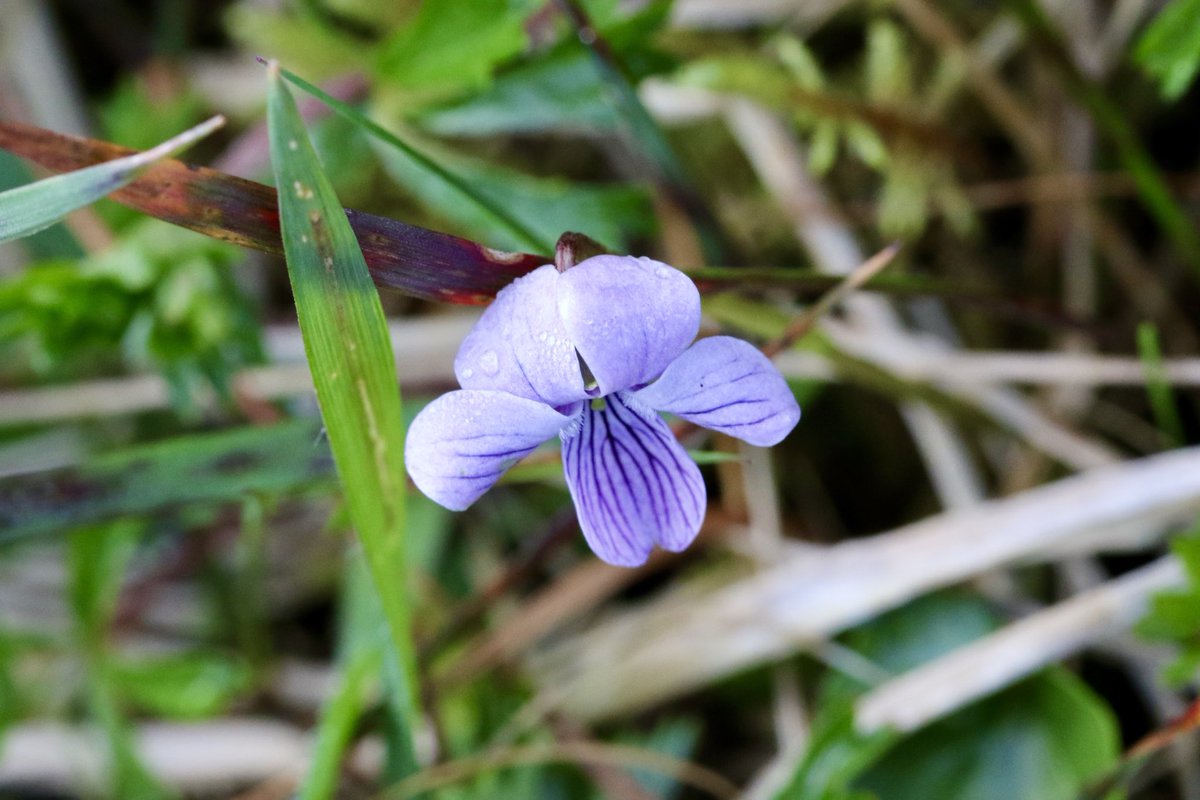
{"x":561,"y":91}
{"x":1043,"y":739}
{"x":1174,"y":615}
{"x":1187,"y":548}
{"x":836,"y":756}
{"x":672,"y":737}
{"x":824,"y":147}
{"x":612,"y":215}
{"x":35,"y":206}
{"x":1183,"y":668}
{"x":1169,"y":50}
{"x":800,"y":62}
{"x":454,"y":44}
{"x":866,"y":144}
{"x":888,"y":69}
{"x":182,"y":685}
{"x":1050,"y":725}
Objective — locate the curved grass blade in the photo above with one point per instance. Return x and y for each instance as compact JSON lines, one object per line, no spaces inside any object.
{"x":350,"y":354}
{"x":518,"y":229}
{"x":417,"y":261}
{"x":646,"y":136}
{"x":36,"y":206}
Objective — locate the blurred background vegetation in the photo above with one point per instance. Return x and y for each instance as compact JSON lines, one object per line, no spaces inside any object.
{"x":971,"y":572}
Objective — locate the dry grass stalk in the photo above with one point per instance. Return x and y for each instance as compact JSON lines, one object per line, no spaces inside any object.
{"x":197,"y":758}
{"x":680,"y":642}
{"x":935,"y":689}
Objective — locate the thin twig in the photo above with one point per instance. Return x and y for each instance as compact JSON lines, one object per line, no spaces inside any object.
{"x":558,"y":532}
{"x":577,"y":752}
{"x":802,"y":324}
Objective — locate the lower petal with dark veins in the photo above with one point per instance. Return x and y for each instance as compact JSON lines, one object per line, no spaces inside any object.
{"x":633,"y":484}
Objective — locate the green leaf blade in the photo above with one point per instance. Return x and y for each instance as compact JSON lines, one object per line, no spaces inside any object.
{"x":152,"y":478}
{"x":36,"y":206}
{"x":350,"y":355}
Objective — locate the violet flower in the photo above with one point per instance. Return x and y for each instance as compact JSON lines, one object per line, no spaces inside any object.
{"x":628,"y":322}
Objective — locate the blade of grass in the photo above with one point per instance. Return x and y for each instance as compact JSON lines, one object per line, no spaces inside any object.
{"x":359,"y":657}
{"x":97,"y":559}
{"x":417,"y":261}
{"x":348,"y":112}
{"x":338,"y":718}
{"x":350,"y":354}
{"x":646,"y":136}
{"x":36,"y":206}
{"x":1162,"y":399}
{"x":55,"y":242}
{"x":147,"y":479}
{"x":802,"y":324}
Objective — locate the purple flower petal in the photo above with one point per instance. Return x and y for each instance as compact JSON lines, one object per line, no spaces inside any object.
{"x":628,"y":317}
{"x":462,"y":442}
{"x":632,"y":483}
{"x":727,"y":385}
{"x":520,"y":346}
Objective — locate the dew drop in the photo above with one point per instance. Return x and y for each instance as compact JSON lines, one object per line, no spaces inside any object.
{"x":467,"y":373}
{"x":292,"y":144}
{"x":663,"y":272}
{"x":543,"y":336}
{"x":489,"y":362}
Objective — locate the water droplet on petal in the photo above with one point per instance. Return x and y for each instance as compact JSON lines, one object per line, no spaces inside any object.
{"x":543,"y":336}
{"x":489,"y":362}
{"x":663,"y":272}
{"x":468,"y":372}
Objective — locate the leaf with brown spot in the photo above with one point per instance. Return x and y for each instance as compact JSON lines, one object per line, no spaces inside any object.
{"x":413,"y":260}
